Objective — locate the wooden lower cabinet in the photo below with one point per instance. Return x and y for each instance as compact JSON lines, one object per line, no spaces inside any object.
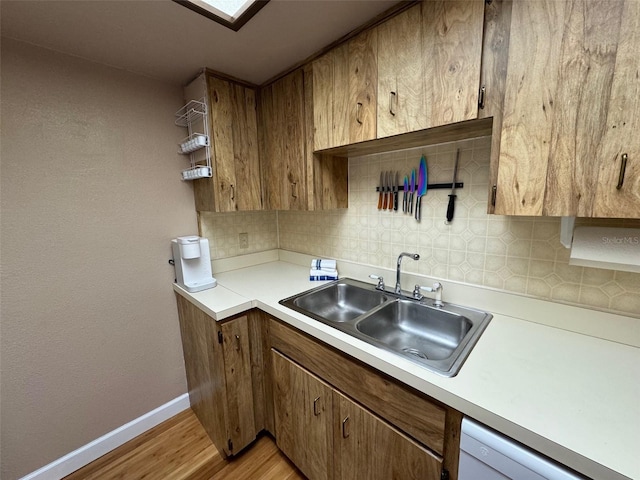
{"x":303,"y":414}
{"x":333,"y":416}
{"x":218,"y":364}
{"x":327,"y":434}
{"x":368,"y":447}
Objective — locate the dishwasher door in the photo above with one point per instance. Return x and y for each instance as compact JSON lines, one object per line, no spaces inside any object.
{"x":487,"y":455}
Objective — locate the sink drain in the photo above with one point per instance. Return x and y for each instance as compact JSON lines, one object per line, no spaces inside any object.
{"x":414,"y":352}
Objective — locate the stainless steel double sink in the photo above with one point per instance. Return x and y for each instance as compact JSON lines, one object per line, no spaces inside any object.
{"x":438,"y":338}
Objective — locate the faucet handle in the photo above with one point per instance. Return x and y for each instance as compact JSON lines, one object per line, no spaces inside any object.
{"x":436,"y":287}
{"x":380,"y":280}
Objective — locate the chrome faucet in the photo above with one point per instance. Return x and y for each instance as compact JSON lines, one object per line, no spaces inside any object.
{"x":415,"y":256}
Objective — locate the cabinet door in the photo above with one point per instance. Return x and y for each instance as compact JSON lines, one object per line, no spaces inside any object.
{"x":285,"y":163}
{"x":562,"y":105}
{"x":429,"y":66}
{"x":240,"y":419}
{"x":452,"y":52}
{"x":344,"y":93}
{"x":493,"y":75}
{"x":207,"y":389}
{"x":303,"y":417}
{"x":363,"y":85}
{"x":222,"y":128}
{"x":401,"y":75}
{"x":235,"y":184}
{"x":247,"y":191}
{"x":622,"y":127}
{"x":325,"y":99}
{"x":367,"y":447}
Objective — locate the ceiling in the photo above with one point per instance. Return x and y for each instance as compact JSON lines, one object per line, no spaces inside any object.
{"x":164,"y":40}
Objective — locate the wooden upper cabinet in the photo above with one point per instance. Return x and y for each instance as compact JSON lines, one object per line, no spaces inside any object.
{"x":344,"y":93}
{"x":571,"y":110}
{"x":362,"y":77}
{"x":294,"y":177}
{"x":452,"y":36}
{"x":284,"y":160}
{"x":401,"y":75}
{"x":619,"y":151}
{"x":233,"y":133}
{"x":429,"y":66}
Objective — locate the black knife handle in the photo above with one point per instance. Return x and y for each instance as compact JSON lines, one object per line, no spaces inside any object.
{"x":395,"y":200}
{"x":451,"y":207}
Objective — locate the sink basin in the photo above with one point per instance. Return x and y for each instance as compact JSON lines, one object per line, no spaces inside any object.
{"x":412,"y":328}
{"x":339,"y":302}
{"x":438,"y":338}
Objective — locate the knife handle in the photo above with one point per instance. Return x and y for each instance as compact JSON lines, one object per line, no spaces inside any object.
{"x":451,"y":207}
{"x":380,"y":199}
{"x":395,"y":200}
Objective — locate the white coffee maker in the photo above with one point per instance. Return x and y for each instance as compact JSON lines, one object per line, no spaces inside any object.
{"x":193,"y":263}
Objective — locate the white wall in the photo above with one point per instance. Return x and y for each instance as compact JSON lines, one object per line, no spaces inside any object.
{"x":91,"y":197}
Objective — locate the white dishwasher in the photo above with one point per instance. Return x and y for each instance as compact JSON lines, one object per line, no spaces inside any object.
{"x":487,"y":455}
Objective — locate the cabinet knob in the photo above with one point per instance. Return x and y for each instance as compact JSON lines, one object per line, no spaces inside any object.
{"x":392,"y":96}
{"x":233,"y":192}
{"x":623,"y":167}
{"x":358,"y":108}
{"x":294,"y":189}
{"x":316,"y":411}
{"x":238,"y":342}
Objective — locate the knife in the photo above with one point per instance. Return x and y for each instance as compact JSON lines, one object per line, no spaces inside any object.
{"x":384,"y":192}
{"x":405,"y":194}
{"x":390,"y":190}
{"x":422,"y":186}
{"x":452,"y":197}
{"x":381,"y":189}
{"x":412,"y":190}
{"x":395,"y":192}
{"x":387,"y":189}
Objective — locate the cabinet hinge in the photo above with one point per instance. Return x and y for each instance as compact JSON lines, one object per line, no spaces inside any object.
{"x":444,"y":475}
{"x":230,"y":445}
{"x":220,"y":341}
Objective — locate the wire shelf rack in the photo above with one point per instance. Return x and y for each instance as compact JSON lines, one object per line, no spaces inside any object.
{"x":193,"y":116}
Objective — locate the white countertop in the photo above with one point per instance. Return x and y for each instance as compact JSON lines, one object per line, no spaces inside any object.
{"x":570,"y":396}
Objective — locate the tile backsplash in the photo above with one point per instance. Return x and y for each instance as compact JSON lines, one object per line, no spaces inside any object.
{"x":223,"y":231}
{"x":514,"y":254}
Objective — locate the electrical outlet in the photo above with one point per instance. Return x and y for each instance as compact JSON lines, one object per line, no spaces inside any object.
{"x":243,"y":239}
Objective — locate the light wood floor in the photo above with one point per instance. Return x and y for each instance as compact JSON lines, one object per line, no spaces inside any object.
{"x":179,"y":449}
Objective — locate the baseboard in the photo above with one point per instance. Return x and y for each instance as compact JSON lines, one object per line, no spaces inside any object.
{"x":91,"y":451}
